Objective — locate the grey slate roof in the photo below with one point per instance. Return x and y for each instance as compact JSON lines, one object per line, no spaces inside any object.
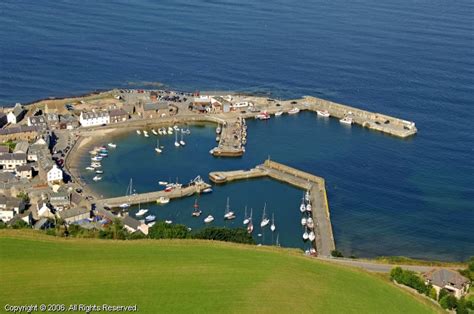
{"x":117,"y":112}
{"x":21,"y":147}
{"x":92,"y":115}
{"x":12,"y":156}
{"x":18,"y":129}
{"x":73,"y":212}
{"x":4,"y":149}
{"x":442,"y":277}
{"x":155,"y":106}
{"x":131,"y":222}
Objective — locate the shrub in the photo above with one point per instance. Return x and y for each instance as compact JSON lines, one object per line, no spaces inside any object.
{"x":238,"y":235}
{"x":20,"y":224}
{"x":336,"y":253}
{"x":162,"y":230}
{"x":432,"y":293}
{"x":410,"y":279}
{"x":448,"y":302}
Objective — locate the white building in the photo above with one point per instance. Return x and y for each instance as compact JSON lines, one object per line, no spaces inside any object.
{"x":11,"y":161}
{"x":43,"y":210}
{"x":16,"y":114}
{"x":55,"y":175}
{"x":94,"y":118}
{"x":9,"y":207}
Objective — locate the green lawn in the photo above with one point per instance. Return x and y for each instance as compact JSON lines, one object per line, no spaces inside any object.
{"x":188,"y":276}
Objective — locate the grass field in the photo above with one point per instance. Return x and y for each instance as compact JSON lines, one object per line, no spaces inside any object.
{"x":188,"y":276}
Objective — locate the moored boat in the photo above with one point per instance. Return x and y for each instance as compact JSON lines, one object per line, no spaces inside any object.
{"x":294,"y":110}
{"x":265,"y":221}
{"x":262,"y":116}
{"x":163,"y":200}
{"x":162,"y":182}
{"x":157,"y":148}
{"x":228,"y":215}
{"x":112,"y":145}
{"x":303,"y":221}
{"x":145,"y":133}
{"x":196,"y":211}
{"x":124,"y":205}
{"x":97,"y":178}
{"x":346,"y":120}
{"x":311,"y":236}
{"x":278,"y":113}
{"x":181,"y":142}
{"x":141,"y":212}
{"x":168,"y":222}
{"x":246,"y":219}
{"x":273,"y":227}
{"x":323,"y":113}
{"x":154,"y":131}
{"x":90,"y":168}
{"x":176,"y":143}
{"x":305,"y":235}
{"x":139,"y":132}
{"x":150,"y":218}
{"x":209,"y":219}
{"x":207,"y":190}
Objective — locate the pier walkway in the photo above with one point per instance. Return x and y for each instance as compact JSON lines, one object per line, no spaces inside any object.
{"x":149,"y":197}
{"x":231,"y":139}
{"x":324,"y":242}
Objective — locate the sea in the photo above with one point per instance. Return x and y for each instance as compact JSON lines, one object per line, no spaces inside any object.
{"x":412,"y":59}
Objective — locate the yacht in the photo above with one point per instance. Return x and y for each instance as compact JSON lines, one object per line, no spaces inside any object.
{"x":141,"y":212}
{"x":273,"y":227}
{"x":323,"y":113}
{"x":311,"y":236}
{"x":139,"y":132}
{"x":265,"y":221}
{"x":176,"y":128}
{"x":346,"y":120}
{"x":305,"y":235}
{"x":163,"y":200}
{"x":97,"y":178}
{"x":246,"y":219}
{"x":278,"y":113}
{"x":176,"y":143}
{"x":196,"y":212}
{"x":99,"y":171}
{"x":145,"y":133}
{"x":310,"y":223}
{"x":154,"y":131}
{"x":162,"y":182}
{"x":90,"y":168}
{"x":157,"y":148}
{"x":170,"y":130}
{"x":294,"y":110}
{"x":181,"y":142}
{"x":150,"y":218}
{"x":112,"y":145}
{"x":187,"y":131}
{"x":209,"y":219}
{"x":124,"y":205}
{"x":303,"y":221}
{"x":306,"y":196}
{"x":228,"y":213}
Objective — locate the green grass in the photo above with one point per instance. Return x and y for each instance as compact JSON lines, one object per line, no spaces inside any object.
{"x":163,"y":276}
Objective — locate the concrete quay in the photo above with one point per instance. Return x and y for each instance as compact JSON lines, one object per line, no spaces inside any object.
{"x":324,"y":242}
{"x":231,"y":139}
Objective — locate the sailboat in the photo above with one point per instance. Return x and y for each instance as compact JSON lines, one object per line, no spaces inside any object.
{"x":250,"y":224}
{"x":154,"y":131}
{"x":146,"y":133}
{"x":246,"y":219}
{"x":303,"y":221}
{"x":209,"y":219}
{"x":228,"y":213}
{"x":141,"y":212}
{"x":128,"y":193}
{"x":196,"y":212}
{"x":277,"y":242}
{"x":302,"y":206}
{"x":273,"y":227}
{"x":139,"y":132}
{"x":311,"y":236}
{"x":181,"y":142}
{"x":176,"y":143}
{"x":265,"y":220}
{"x":157,"y":148}
{"x":170,"y":130}
{"x":305,"y":234}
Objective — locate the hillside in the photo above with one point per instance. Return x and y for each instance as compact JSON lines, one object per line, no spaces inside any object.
{"x":187,"y":276}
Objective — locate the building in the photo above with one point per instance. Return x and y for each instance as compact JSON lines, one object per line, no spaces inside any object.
{"x":21,"y":147}
{"x":3,"y":119}
{"x":153,"y":110}
{"x":60,"y":200}
{"x":16,"y":115}
{"x":55,"y":175}
{"x":68,"y":122}
{"x":38,"y":121}
{"x":4,"y":149}
{"x":11,"y":161}
{"x":132,"y":225}
{"x":22,"y":132}
{"x":75,"y":214}
{"x":43,"y":210}
{"x":94,"y":118}
{"x":24,"y":172}
{"x":10,"y":207}
{"x":118,"y":115}
{"x":447,"y":279}
{"x":52,"y":119}
{"x":220,"y":104}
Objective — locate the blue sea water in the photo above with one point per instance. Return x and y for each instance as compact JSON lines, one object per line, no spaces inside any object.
{"x":407,"y":58}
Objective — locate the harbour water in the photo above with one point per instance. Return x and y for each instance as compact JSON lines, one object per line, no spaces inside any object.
{"x":410,"y":59}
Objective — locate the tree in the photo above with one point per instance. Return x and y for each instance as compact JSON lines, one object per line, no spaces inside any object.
{"x":432,"y":293}
{"x":24,"y":197}
{"x":336,"y":253}
{"x":162,"y":230}
{"x":396,"y":274}
{"x":20,"y":224}
{"x":448,"y":302}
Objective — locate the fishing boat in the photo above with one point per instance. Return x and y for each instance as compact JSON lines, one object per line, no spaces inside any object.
{"x":154,"y":131}
{"x":305,"y":235}
{"x":323,"y":113}
{"x":262,"y":116}
{"x":97,"y":178}
{"x":139,"y":132}
{"x":163,"y":200}
{"x":311,"y":236}
{"x":90,"y":168}
{"x":99,"y":171}
{"x":145,"y":133}
{"x":207,"y":190}
{"x":278,"y":113}
{"x":265,"y":221}
{"x":141,"y":212}
{"x":157,"y":148}
{"x":196,"y":211}
{"x":170,"y":130}
{"x":168,"y":222}
{"x":181,"y":142}
{"x":246,"y":219}
{"x":294,"y":110}
{"x":310,"y":223}
{"x":162,"y":182}
{"x":273,"y":227}
{"x":150,"y":218}
{"x":209,"y":219}
{"x":228,"y":215}
{"x":303,"y":221}
{"x":176,"y":143}
{"x":112,"y":145}
{"x":346,"y":120}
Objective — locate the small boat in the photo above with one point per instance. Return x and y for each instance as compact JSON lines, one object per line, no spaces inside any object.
{"x":157,"y":148}
{"x":145,"y":133}
{"x":162,"y":182}
{"x":141,"y":212}
{"x":176,"y":143}
{"x":207,"y":190}
{"x":196,"y":212}
{"x":310,"y":223}
{"x":262,"y":116}
{"x":294,"y":110}
{"x":154,"y":131}
{"x":303,"y":221}
{"x":305,"y":235}
{"x":170,"y":130}
{"x":181,"y":142}
{"x":96,"y":158}
{"x":323,"y":113}
{"x":124,"y":205}
{"x":163,"y":200}
{"x":308,"y":207}
{"x":103,"y":155}
{"x":311,"y":236}
{"x":278,"y":113}
{"x":176,"y":128}
{"x":218,"y":138}
{"x":168,"y":222}
{"x":151,"y":224}
{"x":218,"y":129}
{"x":250,"y":227}
{"x":228,"y":215}
{"x":97,"y":178}
{"x":265,"y":221}
{"x":150,"y":218}
{"x":306,"y":196}
{"x":246,"y":219}
{"x":112,"y":145}
{"x":273,"y":227}
{"x":90,"y":168}
{"x":209,"y":219}
{"x":96,"y":165}
{"x":139,"y":132}
{"x":187,"y":131}
{"x":99,"y":171}
{"x":346,"y":120}
{"x":160,"y":132}
{"x":302,"y":206}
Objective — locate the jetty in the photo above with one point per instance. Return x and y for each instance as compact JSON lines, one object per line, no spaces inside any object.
{"x":324,"y":242}
{"x":148,"y":197}
{"x":231,"y":139}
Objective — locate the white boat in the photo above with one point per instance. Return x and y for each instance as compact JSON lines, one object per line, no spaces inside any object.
{"x":96,"y":158}
{"x":157,"y":148}
{"x":196,"y":211}
{"x":154,"y":131}
{"x":273,"y":227}
{"x":262,"y":116}
{"x":151,"y":224}
{"x":170,"y":130}
{"x":163,"y":200}
{"x":181,"y":142}
{"x":246,"y":219}
{"x":250,"y":227}
{"x":90,"y":168}
{"x":311,"y":236}
{"x":303,"y":221}
{"x":207,"y":190}
{"x":218,"y":129}
{"x":308,"y":207}
{"x":176,"y":143}
{"x":310,"y":223}
{"x":294,"y":110}
{"x":168,"y":222}
{"x":176,"y":128}
{"x":305,"y":235}
{"x":96,"y":165}
{"x":265,"y":221}
{"x":209,"y":219}
{"x":139,"y":132}
{"x":103,"y":155}
{"x":306,"y":196}
{"x":162,"y":182}
{"x":302,"y":207}
{"x":141,"y":212}
{"x":145,"y":133}
{"x":323,"y":113}
{"x":278,"y":113}
{"x":97,"y":178}
{"x":99,"y":171}
{"x":150,"y":218}
{"x":346,"y":120}
{"x":112,"y":145}
{"x":228,"y":215}
{"x":124,"y":205}
{"x":187,"y":131}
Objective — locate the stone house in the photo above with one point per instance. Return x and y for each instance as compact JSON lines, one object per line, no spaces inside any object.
{"x":17,"y":114}
{"x":75,"y":214}
{"x":447,"y":279}
{"x":10,"y":161}
{"x":38,"y":121}
{"x":43,"y":210}
{"x":118,"y":115}
{"x":132,"y":225}
{"x":10,"y":207}
{"x":21,"y":132}
{"x":153,"y":110}
{"x":24,"y":172}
